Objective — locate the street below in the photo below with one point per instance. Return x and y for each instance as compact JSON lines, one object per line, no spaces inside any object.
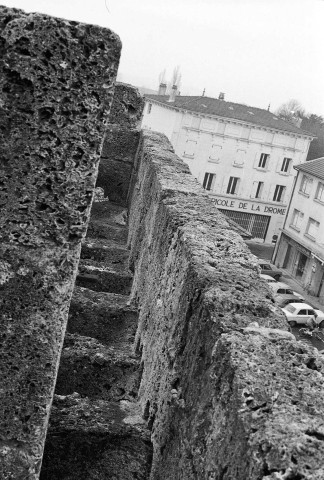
{"x":302,"y":333}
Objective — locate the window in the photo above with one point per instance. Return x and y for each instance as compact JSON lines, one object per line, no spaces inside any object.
{"x":209,"y":181}
{"x":297,"y":219}
{"x":239,"y":158}
{"x":149,"y":108}
{"x":214,"y":156}
{"x":263,"y":161}
{"x":232,"y":185}
{"x":279,"y":193}
{"x":195,"y":122}
{"x":312,"y":228}
{"x":190,"y":148}
{"x":305,"y":185}
{"x":320,"y":192}
{"x":259,"y":189}
{"x":264,"y":266}
{"x":285,"y":291}
{"x":286,"y":164}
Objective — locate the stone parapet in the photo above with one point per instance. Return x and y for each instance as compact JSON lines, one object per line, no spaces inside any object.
{"x":227,"y":391}
{"x":56,"y":85}
{"x":119,"y":149}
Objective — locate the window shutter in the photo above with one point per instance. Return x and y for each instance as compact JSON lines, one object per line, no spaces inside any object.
{"x":279,"y":163}
{"x":224,"y":184}
{"x":214,"y":156}
{"x":284,"y":195}
{"x":256,"y":160}
{"x":239,"y":157}
{"x":253,"y":190}
{"x":190,"y":148}
{"x":271,"y":192}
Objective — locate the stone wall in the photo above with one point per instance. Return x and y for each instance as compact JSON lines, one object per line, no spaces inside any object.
{"x":227,"y":391}
{"x":56,"y":82}
{"x":119,"y":149}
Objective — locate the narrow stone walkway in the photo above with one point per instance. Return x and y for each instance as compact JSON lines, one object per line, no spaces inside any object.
{"x":96,"y":430}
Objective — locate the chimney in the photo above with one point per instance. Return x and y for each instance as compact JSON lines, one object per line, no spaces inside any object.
{"x":221,"y":96}
{"x":173,"y":93}
{"x":298,"y":122}
{"x":162,"y":89}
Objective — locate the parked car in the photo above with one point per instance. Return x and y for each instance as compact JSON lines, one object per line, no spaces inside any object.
{"x":283,"y":300}
{"x":269,"y":269}
{"x":282,"y":289}
{"x":267,"y":278}
{"x":302,"y":313}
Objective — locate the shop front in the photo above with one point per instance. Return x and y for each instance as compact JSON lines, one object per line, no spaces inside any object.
{"x":261,"y":220}
{"x":303,"y":264}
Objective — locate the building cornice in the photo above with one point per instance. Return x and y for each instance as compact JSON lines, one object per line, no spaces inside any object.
{"x":241,"y":139}
{"x":230,"y":120}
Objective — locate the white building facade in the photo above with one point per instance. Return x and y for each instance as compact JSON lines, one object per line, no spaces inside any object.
{"x":242,"y":155}
{"x":300,"y":248}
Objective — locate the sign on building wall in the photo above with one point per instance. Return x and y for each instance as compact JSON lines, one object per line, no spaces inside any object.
{"x":248,"y":206}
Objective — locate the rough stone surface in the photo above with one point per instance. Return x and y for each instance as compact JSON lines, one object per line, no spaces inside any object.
{"x":107,"y":229}
{"x":127,"y":107}
{"x":108,"y":317}
{"x":104,"y":279}
{"x":56,"y":86}
{"x":97,"y":371}
{"x":105,"y":252}
{"x":226,"y":390}
{"x":115,"y":178}
{"x":119,"y":150}
{"x":96,"y":440}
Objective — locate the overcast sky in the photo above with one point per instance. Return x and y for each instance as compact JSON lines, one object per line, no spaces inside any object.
{"x":256,"y":51}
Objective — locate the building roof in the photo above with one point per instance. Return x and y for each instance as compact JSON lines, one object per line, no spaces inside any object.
{"x":237,"y":111}
{"x":313,"y":167}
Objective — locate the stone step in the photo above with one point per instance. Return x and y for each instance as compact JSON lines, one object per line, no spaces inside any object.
{"x":102,"y":229}
{"x":97,"y":371}
{"x":108,"y":221}
{"x":104,"y":279}
{"x":96,"y":440}
{"x":104,"y":251}
{"x":107,"y":317}
{"x":109,"y":212}
{"x":109,"y":264}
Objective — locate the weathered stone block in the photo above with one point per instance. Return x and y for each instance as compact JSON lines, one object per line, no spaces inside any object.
{"x":228,"y":392}
{"x":114,"y":177}
{"x":121,"y":143}
{"x":127,"y":107}
{"x":96,"y":370}
{"x":101,"y":230}
{"x":104,"y":279}
{"x":56,"y":86}
{"x":108,"y":221}
{"x":105,"y":316}
{"x":96,"y":440}
{"x":104,"y":251}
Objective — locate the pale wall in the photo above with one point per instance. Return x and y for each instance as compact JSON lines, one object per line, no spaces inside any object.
{"x":235,"y":149}
{"x":311,"y":208}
